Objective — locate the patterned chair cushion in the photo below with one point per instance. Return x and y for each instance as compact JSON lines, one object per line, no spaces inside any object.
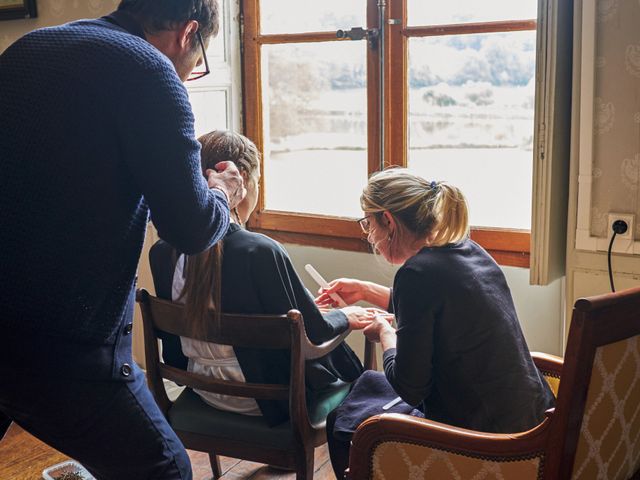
{"x":609,"y":443}
{"x":404,"y":461}
{"x":554,"y":383}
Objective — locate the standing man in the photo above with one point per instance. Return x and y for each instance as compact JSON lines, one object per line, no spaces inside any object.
{"x":96,"y":132}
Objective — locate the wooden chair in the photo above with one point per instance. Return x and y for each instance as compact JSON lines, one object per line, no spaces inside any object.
{"x":204,"y":428}
{"x":593,"y":433}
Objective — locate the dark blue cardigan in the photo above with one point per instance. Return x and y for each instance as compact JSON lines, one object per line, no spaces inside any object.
{"x":96,"y":130}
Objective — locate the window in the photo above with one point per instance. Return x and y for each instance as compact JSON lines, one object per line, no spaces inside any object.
{"x":458,"y":86}
{"x":215,"y":99}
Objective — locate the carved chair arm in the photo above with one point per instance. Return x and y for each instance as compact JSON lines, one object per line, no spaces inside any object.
{"x":310,"y":351}
{"x":549,"y":365}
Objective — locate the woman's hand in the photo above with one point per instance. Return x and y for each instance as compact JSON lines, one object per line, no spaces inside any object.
{"x":353,"y":291}
{"x":349,"y":289}
{"x":358,"y":317}
{"x":380,"y":330}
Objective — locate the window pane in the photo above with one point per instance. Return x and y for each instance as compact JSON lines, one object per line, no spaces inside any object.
{"x":210,"y":109}
{"x":315,"y":116}
{"x":295,"y":16}
{"x":471,"y":106}
{"x":421,"y":12}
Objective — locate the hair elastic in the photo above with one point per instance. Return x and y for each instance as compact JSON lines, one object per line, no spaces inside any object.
{"x":433,"y":184}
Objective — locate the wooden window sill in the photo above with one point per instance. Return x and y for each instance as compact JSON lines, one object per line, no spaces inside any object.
{"x":508,"y":247}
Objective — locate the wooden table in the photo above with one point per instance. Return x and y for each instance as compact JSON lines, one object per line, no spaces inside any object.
{"x":23,"y":457}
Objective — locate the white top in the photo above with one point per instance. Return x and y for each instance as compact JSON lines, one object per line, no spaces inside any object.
{"x":213,"y":360}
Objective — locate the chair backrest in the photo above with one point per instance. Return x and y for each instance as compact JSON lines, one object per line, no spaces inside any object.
{"x":250,"y":331}
{"x":596,"y":431}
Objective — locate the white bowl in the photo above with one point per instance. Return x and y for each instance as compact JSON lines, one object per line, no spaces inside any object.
{"x":55,"y":472}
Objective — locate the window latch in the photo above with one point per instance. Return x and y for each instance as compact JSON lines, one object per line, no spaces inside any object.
{"x":359,"y":33}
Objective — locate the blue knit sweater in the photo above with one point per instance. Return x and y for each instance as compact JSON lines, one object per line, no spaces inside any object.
{"x":96,"y":130}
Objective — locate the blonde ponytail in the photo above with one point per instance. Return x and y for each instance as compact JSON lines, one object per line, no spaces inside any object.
{"x":450,"y":210}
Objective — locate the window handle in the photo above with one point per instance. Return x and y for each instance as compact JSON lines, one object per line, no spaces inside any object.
{"x":358,"y":33}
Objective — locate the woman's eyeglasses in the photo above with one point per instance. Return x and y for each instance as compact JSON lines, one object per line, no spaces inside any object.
{"x":364,"y":223}
{"x":200,"y":74}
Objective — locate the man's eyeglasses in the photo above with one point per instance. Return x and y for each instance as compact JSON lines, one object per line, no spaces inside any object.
{"x":200,"y":74}
{"x":364,"y":223}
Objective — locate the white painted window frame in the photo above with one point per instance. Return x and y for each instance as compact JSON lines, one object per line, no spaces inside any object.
{"x":226,"y":71}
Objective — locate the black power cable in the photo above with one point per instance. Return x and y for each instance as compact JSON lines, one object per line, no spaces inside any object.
{"x":619,"y":227}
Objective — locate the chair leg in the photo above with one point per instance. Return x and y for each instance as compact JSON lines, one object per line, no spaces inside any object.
{"x":215,"y":466}
{"x":304,"y":466}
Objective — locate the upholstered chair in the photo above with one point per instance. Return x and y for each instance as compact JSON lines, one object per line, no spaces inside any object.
{"x":593,"y":433}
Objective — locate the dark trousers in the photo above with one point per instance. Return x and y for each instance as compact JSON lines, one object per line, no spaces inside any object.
{"x":115,"y":429}
{"x":338,"y":449}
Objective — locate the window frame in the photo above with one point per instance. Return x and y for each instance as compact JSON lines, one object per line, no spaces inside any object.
{"x":510,"y":247}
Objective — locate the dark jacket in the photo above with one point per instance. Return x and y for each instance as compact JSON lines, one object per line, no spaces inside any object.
{"x":258,"y":278}
{"x":461,"y":355}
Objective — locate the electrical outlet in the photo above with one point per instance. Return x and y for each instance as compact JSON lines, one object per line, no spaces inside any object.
{"x":629,"y":218}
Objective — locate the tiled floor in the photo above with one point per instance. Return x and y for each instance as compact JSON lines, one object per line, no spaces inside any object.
{"x":233,"y":469}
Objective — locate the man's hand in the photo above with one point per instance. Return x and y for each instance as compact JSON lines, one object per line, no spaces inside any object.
{"x":228,"y":179}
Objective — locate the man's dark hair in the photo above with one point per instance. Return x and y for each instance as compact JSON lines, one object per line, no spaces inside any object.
{"x":156,"y":15}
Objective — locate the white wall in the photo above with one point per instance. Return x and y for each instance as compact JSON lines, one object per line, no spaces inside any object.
{"x":540,"y":309}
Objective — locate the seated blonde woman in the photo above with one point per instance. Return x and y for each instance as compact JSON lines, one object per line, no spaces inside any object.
{"x":458,"y":354}
{"x":248,"y":273}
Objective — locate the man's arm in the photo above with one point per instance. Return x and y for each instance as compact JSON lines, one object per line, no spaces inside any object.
{"x":155,"y":127}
